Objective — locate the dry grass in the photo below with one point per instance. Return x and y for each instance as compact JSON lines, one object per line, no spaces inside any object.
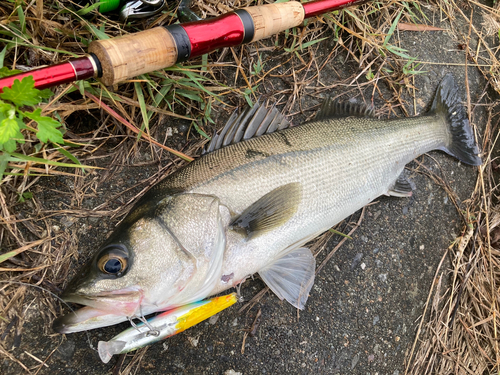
{"x":459,"y":330}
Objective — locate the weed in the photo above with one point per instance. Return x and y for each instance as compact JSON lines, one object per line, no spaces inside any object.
{"x":410,"y":69}
{"x":370,"y":75}
{"x":14,"y":104}
{"x":257,"y":68}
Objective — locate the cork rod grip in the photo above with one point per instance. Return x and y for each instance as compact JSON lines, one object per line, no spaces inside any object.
{"x":134,"y":54}
{"x":146,"y":51}
{"x":271,"y":19}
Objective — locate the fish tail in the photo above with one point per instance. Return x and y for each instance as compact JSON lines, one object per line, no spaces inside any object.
{"x":448,"y":104}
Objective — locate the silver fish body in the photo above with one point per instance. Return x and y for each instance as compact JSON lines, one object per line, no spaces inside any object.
{"x":251,"y":206}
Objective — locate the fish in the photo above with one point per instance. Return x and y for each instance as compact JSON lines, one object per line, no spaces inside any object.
{"x":262,"y":190}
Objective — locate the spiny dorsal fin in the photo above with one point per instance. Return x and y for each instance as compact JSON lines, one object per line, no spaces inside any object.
{"x":335,"y":109}
{"x":252,"y":122}
{"x":270,"y":211}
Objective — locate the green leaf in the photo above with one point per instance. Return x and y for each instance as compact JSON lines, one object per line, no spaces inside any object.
{"x":15,"y":157}
{"x":8,"y":109}
{"x":45,"y":93}
{"x":9,"y":133}
{"x":6,"y":72}
{"x":8,"y":130}
{"x":193,"y":78}
{"x":3,"y":163}
{"x":47,"y":132}
{"x":199,"y":130}
{"x":190,"y":95}
{"x":69,"y":155}
{"x":10,"y":146}
{"x":339,"y":233}
{"x":22,"y":92}
{"x":392,"y":29}
{"x":22,"y":19}
{"x":370,"y":75}
{"x":311,"y":42}
{"x":160,"y":96}
{"x":142,"y":104}
{"x":19,"y":42}
{"x":247,"y":93}
{"x":398,"y":51}
{"x":8,"y":255}
{"x":100,"y":34}
{"x":88,"y":8}
{"x":2,"y":58}
{"x":204,"y":62}
{"x":47,"y":127}
{"x":25,"y":196}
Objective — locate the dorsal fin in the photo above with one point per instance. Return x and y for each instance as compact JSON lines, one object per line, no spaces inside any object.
{"x":252,"y":122}
{"x":335,"y":109}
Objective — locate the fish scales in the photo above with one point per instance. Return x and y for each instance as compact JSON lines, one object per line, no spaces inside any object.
{"x":353,"y":136}
{"x":250,"y":207}
{"x":318,"y":155}
{"x":321,"y":157}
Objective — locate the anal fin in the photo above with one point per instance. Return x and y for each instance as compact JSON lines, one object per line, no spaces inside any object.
{"x":401,"y":188}
{"x":292,"y":276}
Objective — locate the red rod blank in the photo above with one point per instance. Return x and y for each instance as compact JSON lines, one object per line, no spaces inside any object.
{"x":204,"y":36}
{"x":211,"y":34}
{"x":81,"y":68}
{"x":315,"y":8}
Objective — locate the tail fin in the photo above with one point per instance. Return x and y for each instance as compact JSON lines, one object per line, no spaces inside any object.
{"x":447,"y":103}
{"x":107,"y":349}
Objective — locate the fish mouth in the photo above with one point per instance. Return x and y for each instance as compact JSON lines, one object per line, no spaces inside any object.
{"x":84,"y":319}
{"x":100,"y":310}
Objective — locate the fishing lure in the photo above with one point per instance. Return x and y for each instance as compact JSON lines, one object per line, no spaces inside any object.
{"x":163,"y":325}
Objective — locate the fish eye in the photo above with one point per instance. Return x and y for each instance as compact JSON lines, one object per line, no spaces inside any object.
{"x":113,"y":261}
{"x":113,"y":265}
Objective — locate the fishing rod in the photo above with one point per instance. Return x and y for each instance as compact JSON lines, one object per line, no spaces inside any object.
{"x":117,"y":59}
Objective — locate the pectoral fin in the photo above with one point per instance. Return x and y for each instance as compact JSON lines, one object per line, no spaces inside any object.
{"x":272,"y":210}
{"x":292,"y":276}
